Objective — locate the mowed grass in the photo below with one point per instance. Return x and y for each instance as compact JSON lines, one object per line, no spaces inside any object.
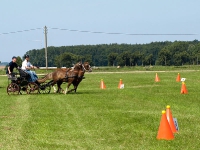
{"x":103,"y":119}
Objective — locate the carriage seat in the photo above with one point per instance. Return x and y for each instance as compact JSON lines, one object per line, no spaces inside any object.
{"x":24,"y":74}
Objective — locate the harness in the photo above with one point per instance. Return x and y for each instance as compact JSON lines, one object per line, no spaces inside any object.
{"x":72,"y":74}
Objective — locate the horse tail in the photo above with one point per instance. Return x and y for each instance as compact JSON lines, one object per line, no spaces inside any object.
{"x":47,"y":77}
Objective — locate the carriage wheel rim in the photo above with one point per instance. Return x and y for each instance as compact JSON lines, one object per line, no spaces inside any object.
{"x":13,"y":88}
{"x":44,"y":89}
{"x":32,"y":88}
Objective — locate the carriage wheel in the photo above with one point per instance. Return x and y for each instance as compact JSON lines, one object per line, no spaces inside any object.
{"x":13,"y":88}
{"x":23,"y":89}
{"x":44,"y":88}
{"x":32,"y":88}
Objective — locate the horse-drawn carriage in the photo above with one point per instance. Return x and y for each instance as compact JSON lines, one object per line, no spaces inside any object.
{"x":18,"y":83}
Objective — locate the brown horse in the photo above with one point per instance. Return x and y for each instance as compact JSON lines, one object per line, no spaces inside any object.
{"x":72,"y":76}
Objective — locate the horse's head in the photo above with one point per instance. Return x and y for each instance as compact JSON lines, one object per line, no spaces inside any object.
{"x":84,"y":67}
{"x":87,"y":67}
{"x":78,"y":66}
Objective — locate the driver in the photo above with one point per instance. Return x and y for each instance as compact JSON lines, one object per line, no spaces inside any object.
{"x":11,"y":66}
{"x":27,"y":66}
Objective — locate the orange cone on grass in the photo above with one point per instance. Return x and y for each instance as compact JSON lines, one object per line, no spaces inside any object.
{"x":164,"y":131}
{"x":170,"y":119}
{"x":178,"y":78}
{"x":183,"y":88}
{"x":157,"y":79}
{"x":120,"y":85}
{"x":102,"y":85}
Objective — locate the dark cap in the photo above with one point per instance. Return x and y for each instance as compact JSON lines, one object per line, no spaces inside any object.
{"x":26,"y":56}
{"x":14,"y":57}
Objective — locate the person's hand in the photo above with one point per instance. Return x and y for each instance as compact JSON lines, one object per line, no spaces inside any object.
{"x":9,"y":72}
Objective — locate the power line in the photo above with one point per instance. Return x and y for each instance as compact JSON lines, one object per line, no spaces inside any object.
{"x":117,"y":33}
{"x":13,"y":32}
{"x":100,"y":32}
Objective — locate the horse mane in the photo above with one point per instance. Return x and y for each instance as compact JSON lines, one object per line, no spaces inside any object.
{"x":78,"y":66}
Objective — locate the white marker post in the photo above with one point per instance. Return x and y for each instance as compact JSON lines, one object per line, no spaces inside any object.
{"x":176,"y":123}
{"x":183,"y":79}
{"x":122,"y":86}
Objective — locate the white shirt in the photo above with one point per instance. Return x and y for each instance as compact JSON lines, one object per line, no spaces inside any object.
{"x":25,"y":64}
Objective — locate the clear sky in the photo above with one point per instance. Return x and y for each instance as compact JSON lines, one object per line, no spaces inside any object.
{"x":121,"y":16}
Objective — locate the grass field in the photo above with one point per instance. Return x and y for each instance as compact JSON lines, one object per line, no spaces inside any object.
{"x":109,"y":119}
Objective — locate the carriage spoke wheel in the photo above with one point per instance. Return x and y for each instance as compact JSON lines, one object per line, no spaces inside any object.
{"x":13,"y":88}
{"x":44,"y":88}
{"x":23,"y":89}
{"x":32,"y":88}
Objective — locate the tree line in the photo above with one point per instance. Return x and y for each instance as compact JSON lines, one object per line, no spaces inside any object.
{"x":155,"y":53}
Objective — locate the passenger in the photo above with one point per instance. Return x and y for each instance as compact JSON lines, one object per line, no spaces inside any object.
{"x":27,"y":66}
{"x":11,"y":66}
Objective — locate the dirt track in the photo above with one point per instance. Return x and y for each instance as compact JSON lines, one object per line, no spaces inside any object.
{"x":145,"y":71}
{"x":131,"y":72}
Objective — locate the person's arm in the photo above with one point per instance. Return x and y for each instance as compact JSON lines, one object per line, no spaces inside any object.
{"x":34,"y":67}
{"x":9,"y":72}
{"x":16,"y":66}
{"x":28,"y":68}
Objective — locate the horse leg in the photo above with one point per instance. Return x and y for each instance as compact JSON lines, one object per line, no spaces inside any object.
{"x":59,"y":86}
{"x":75,"y":87}
{"x":66,"y":91}
{"x":54,"y":88}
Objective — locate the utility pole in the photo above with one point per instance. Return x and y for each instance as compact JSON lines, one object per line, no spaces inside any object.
{"x":45,"y":36}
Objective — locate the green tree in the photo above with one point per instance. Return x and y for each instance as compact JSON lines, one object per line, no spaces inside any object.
{"x":197,"y":53}
{"x":192,"y":51}
{"x":135,"y":58}
{"x":148,"y":59}
{"x":99,"y":54}
{"x":142,"y":58}
{"x":164,"y":57}
{"x":181,"y":58}
{"x":124,"y":59}
{"x":19,"y":61}
{"x":65,"y":60}
{"x":112,"y":58}
{"x":87,"y":58}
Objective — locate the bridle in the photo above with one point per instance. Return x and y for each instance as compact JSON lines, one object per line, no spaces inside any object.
{"x":85,"y":69}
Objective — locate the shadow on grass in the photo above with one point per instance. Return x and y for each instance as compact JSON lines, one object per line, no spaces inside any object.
{"x":56,"y":94}
{"x":73,"y":93}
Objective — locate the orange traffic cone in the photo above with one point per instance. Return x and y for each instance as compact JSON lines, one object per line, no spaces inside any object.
{"x":120,"y":85}
{"x":157,"y":79}
{"x":183,"y":88}
{"x":164,"y":131}
{"x":178,"y":78}
{"x":170,"y":119}
{"x":102,"y":84}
